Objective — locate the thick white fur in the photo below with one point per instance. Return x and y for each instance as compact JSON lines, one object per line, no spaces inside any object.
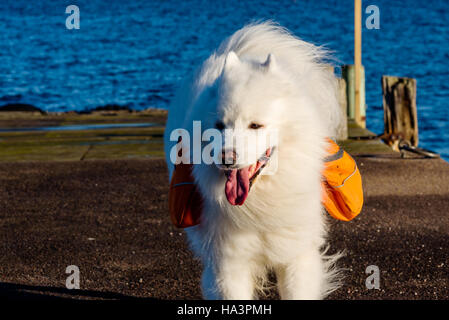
{"x":281,"y":226}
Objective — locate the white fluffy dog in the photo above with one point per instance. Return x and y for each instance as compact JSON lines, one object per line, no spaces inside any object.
{"x":262,"y":81}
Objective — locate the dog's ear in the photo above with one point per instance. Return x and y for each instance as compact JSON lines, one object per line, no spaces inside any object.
{"x":232,"y":61}
{"x":270,"y":64}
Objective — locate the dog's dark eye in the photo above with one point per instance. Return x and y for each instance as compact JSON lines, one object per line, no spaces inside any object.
{"x":254,"y":125}
{"x":219,"y":125}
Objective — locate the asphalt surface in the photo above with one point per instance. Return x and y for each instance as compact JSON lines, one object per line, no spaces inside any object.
{"x":110,"y":219}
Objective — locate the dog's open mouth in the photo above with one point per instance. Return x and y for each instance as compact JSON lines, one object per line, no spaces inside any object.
{"x":239,"y":181}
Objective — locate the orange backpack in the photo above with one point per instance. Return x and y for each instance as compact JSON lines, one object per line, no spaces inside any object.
{"x":342,"y":190}
{"x":342,"y":185}
{"x":184,"y":200}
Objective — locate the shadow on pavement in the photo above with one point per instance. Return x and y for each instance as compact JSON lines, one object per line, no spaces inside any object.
{"x":13,"y":291}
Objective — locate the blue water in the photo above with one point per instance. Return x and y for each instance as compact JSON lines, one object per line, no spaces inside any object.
{"x":134,"y":53}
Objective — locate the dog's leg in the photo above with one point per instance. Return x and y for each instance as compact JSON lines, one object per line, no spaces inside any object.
{"x":209,"y":284}
{"x":302,"y":278}
{"x":236,"y":280}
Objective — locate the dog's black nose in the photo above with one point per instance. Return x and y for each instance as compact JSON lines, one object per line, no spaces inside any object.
{"x":228,"y":157}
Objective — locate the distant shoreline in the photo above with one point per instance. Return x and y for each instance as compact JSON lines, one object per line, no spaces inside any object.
{"x":24,"y":107}
{"x":23,"y":116}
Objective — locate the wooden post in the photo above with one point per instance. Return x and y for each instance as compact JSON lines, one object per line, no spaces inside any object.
{"x":400,"y":115}
{"x":358,"y":59}
{"x":342,"y":133}
{"x":348,"y":73}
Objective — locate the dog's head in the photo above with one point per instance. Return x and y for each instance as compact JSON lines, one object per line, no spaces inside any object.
{"x":249,"y":105}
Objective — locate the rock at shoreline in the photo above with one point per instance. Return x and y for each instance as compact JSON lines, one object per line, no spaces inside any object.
{"x":20,"y":107}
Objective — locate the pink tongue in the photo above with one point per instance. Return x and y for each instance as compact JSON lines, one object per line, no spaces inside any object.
{"x":237,"y":186}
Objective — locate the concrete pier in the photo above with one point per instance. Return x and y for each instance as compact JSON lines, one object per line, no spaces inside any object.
{"x":108,"y":215}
